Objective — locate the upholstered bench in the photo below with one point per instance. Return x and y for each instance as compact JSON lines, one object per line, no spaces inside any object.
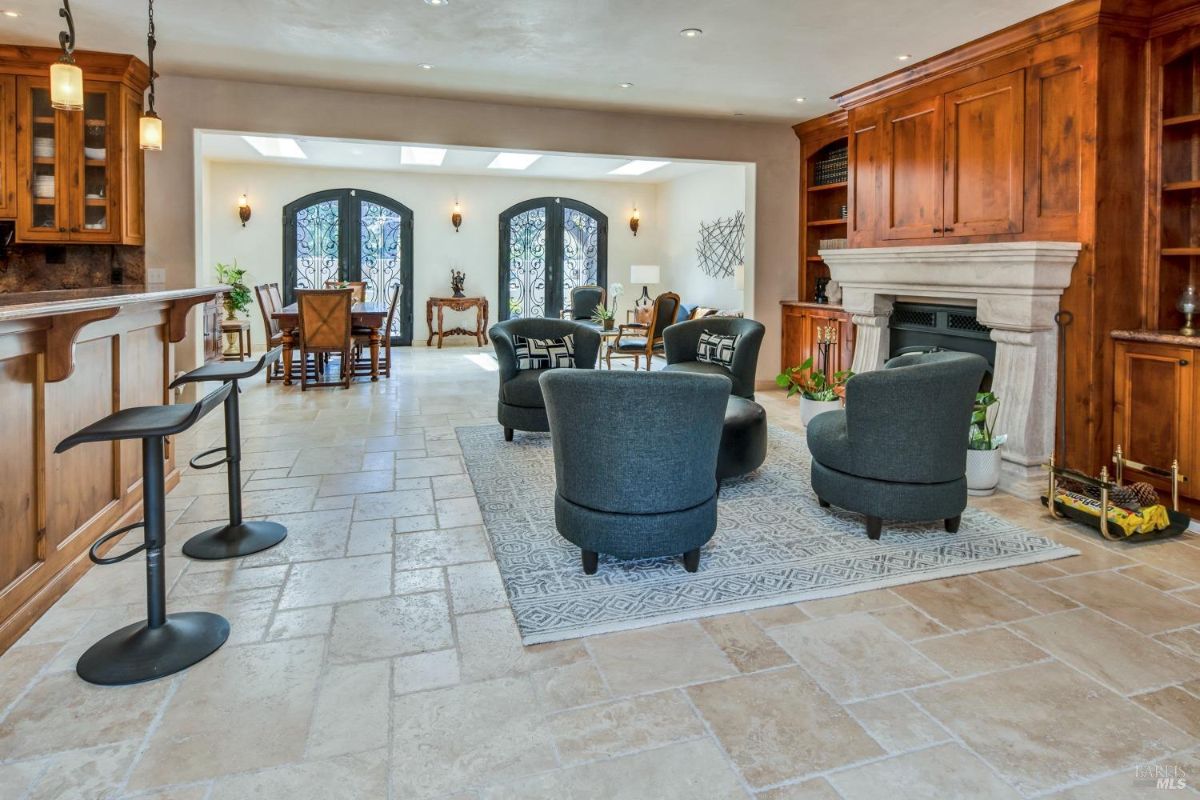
{"x":743,"y":438}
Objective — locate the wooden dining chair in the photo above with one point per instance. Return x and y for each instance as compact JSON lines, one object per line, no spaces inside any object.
{"x":358,"y":287}
{"x":274,"y":335}
{"x":324,"y":331}
{"x":637,"y":340}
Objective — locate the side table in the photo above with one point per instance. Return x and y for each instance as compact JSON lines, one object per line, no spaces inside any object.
{"x":480,"y":304}
{"x":241,"y":327}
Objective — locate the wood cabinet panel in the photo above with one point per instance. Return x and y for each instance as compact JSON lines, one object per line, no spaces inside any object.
{"x":1156,"y":388}
{"x":133,"y":166}
{"x":8,"y":146}
{"x":801,"y":327}
{"x":985,"y":157}
{"x":21,"y":544}
{"x":912,"y":169}
{"x":1054,"y":139}
{"x":863,"y":180}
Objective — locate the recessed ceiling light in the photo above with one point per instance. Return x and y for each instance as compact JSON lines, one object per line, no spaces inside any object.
{"x":422,"y":156}
{"x":800,"y":99}
{"x":691,"y":33}
{"x":273,"y":147}
{"x":903,"y":57}
{"x":637,"y":167}
{"x":625,"y":85}
{"x":425,"y":66}
{"x":513,"y":160}
{"x":437,"y":2}
{"x":10,"y":13}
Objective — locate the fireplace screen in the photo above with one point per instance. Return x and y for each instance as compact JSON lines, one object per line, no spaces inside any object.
{"x":921,"y":328}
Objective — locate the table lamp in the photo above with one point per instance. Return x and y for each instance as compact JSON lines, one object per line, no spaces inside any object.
{"x":644,"y":274}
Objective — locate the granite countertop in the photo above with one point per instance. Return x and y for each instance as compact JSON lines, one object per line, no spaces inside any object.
{"x":810,"y":304}
{"x":26,"y":305}
{"x":1160,"y":337}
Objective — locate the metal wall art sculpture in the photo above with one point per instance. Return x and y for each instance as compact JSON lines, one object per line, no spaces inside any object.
{"x":722,"y":245}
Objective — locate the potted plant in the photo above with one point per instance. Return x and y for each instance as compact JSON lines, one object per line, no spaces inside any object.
{"x":237,"y":296}
{"x":983,"y":447}
{"x":818,"y":392}
{"x":604,"y":317}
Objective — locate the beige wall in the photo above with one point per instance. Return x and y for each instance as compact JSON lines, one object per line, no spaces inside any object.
{"x":190,"y":103}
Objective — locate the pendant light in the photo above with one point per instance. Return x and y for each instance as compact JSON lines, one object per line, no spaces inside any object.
{"x":151,"y":127}
{"x":66,"y":78}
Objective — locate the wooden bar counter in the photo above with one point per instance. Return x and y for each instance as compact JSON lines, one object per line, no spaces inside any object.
{"x":68,"y":358}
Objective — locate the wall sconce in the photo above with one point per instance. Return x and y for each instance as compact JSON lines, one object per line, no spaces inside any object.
{"x":635,"y":221}
{"x":243,"y":210}
{"x":456,"y":217}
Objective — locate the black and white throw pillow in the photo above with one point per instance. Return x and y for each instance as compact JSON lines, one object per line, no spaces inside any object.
{"x":714,"y":348}
{"x":544,"y":353}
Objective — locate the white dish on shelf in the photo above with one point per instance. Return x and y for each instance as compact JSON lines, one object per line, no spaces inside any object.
{"x":95,"y":153}
{"x":95,"y":226}
{"x":94,"y":196}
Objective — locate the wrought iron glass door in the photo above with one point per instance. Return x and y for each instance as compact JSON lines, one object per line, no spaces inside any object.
{"x":548,"y":246}
{"x":350,"y":235}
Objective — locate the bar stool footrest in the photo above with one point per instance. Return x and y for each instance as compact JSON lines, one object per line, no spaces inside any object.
{"x":138,"y":653}
{"x":192,"y":462}
{"x":234,"y":541}
{"x":94,"y":550}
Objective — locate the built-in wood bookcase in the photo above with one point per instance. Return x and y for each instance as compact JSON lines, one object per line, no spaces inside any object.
{"x":822,"y":200}
{"x":1178,"y":258}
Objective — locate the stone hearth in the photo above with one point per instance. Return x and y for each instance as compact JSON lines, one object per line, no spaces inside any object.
{"x":1015,"y":287}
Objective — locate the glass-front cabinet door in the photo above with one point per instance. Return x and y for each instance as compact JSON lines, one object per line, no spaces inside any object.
{"x":69,"y":188}
{"x":95,"y":152}
{"x":42,"y":153}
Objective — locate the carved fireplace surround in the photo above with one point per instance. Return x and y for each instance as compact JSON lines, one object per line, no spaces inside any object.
{"x":1015,"y":287}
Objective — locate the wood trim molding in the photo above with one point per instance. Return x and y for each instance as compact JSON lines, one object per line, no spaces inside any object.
{"x":1066,"y":19}
{"x":116,"y":67}
{"x":61,"y":336}
{"x":177,"y":325}
{"x":810,"y":126}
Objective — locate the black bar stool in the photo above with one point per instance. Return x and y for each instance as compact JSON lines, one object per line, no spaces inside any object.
{"x":238,"y":538}
{"x":164,"y":643}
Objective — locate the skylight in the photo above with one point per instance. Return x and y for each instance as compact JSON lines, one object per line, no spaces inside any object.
{"x":273,"y":147}
{"x":422,"y":156}
{"x":513,"y":160}
{"x":638,"y":167}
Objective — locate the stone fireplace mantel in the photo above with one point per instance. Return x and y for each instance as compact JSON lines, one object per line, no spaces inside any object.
{"x":1015,"y":287}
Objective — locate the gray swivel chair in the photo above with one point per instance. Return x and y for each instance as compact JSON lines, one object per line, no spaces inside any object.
{"x":635,"y":461}
{"x":682,"y":338}
{"x":520,"y":406}
{"x":898,"y":450}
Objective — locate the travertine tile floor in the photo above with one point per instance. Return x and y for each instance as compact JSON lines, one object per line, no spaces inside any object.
{"x":373,"y":654}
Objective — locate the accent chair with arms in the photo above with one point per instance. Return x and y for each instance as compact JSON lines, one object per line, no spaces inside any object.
{"x":898,"y":450}
{"x":682,"y":345}
{"x":635,"y":461}
{"x":520,"y":406}
{"x":637,"y":340}
{"x":325,"y":330}
{"x":584,"y":300}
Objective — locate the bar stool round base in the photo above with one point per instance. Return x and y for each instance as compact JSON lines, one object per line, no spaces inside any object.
{"x":232,"y":541}
{"x":137,"y":653}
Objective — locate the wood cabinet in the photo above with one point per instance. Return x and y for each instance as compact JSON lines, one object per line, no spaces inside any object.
{"x":803,"y":324}
{"x":1156,"y":399}
{"x":74,"y":176}
{"x":953,"y":163}
{"x":214,"y":345}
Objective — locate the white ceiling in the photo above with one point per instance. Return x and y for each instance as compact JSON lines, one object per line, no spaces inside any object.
{"x":755,"y":57}
{"x":385,"y":156}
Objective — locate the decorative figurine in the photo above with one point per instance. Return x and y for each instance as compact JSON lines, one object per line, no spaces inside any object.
{"x":820,"y":296}
{"x":1187,"y":306}
{"x":457,"y":279}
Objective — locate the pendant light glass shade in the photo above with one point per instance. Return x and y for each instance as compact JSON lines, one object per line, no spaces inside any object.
{"x":151,"y":130}
{"x":66,"y":86}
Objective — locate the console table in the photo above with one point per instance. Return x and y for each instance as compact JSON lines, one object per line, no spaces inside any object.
{"x":480,"y":304}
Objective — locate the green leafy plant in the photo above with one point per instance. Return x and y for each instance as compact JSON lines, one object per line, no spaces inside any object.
{"x":237,"y":297}
{"x":813,"y":383}
{"x":982,"y":436}
{"x":602,"y":313}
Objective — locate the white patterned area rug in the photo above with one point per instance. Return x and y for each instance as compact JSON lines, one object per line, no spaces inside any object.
{"x":774,"y":545}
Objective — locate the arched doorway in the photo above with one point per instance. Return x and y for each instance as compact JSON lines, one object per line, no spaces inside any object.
{"x":548,"y":246}
{"x":350,"y":235}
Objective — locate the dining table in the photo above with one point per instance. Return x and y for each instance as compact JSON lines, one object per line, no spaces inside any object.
{"x":371,"y":316}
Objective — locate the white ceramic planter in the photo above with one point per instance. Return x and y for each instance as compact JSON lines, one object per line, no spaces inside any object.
{"x":810,"y":408}
{"x":983,"y":471}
